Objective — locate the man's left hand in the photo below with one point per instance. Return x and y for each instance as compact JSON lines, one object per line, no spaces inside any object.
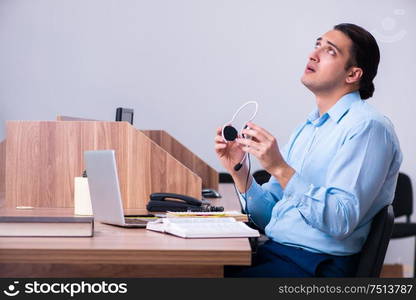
{"x":264,"y":147}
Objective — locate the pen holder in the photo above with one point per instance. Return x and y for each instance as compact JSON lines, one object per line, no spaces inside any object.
{"x":82,"y":200}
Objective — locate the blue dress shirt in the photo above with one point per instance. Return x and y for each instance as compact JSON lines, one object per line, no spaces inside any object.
{"x":347,"y":163}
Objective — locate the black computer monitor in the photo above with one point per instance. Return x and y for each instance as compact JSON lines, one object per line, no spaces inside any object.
{"x":125,"y":114}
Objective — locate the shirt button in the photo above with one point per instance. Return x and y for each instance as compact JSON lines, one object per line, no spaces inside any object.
{"x":249,"y":198}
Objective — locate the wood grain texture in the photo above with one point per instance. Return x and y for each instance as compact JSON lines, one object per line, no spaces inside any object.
{"x":16,"y":270}
{"x":120,"y":252}
{"x":44,"y":157}
{"x":208,"y":175}
{"x":116,"y":245}
{"x":2,"y":172}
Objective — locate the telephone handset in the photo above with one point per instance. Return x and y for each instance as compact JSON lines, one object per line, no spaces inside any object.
{"x":159,"y":203}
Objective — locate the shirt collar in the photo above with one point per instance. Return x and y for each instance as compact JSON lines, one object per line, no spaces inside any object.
{"x":315,"y":119}
{"x":337,"y":111}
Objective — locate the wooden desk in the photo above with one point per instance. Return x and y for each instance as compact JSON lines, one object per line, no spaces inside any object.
{"x":122,"y":252}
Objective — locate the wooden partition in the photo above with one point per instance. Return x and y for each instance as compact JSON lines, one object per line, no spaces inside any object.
{"x":43,"y":157}
{"x":208,"y":175}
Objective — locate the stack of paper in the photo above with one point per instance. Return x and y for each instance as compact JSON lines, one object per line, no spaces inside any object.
{"x":234,"y":214}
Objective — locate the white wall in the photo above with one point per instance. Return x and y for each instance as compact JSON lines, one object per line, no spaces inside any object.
{"x":186,"y":65}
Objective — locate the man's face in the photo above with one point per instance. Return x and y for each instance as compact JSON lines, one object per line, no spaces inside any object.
{"x":325,"y":70}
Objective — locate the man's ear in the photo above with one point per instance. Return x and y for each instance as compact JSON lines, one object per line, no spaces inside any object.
{"x":354,"y":75}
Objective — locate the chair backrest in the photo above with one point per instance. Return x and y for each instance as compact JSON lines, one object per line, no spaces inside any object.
{"x":225,"y":178}
{"x":374,"y":249}
{"x":403,"y":197}
{"x":261,"y":176}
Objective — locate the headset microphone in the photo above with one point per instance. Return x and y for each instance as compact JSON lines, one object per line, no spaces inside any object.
{"x":238,"y":166}
{"x":229,"y":133}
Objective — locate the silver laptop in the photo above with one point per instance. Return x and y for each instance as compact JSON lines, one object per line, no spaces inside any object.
{"x":103,"y":183}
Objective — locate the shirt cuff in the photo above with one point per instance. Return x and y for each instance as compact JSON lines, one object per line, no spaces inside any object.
{"x":295,"y":188}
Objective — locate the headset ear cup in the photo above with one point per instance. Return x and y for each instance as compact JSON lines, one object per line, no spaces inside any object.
{"x":229,"y":133}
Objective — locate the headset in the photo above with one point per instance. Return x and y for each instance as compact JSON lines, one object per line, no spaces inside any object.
{"x":229,"y":133}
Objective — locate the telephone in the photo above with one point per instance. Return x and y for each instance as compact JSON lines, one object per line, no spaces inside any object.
{"x":158,"y":203}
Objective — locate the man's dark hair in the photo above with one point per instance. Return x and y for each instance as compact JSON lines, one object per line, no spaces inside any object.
{"x":364,"y":53}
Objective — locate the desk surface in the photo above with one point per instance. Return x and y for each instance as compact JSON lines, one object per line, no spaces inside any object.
{"x":126,"y":246}
{"x":112,"y":244}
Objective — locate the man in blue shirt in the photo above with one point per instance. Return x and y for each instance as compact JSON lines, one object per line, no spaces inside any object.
{"x":337,"y":171}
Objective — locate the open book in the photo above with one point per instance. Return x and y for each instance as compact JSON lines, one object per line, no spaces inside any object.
{"x":203,"y":227}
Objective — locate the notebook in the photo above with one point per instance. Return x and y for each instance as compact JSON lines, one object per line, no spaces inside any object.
{"x":105,"y":195}
{"x":46,"y":226}
{"x":226,"y":227}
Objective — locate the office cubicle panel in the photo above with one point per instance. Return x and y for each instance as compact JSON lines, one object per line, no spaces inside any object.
{"x":43,"y":157}
{"x":209,"y":175}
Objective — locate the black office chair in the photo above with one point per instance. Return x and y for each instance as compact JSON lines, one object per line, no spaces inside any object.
{"x":403,"y":206}
{"x":225,"y":178}
{"x":374,"y":249}
{"x":261,"y":176}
